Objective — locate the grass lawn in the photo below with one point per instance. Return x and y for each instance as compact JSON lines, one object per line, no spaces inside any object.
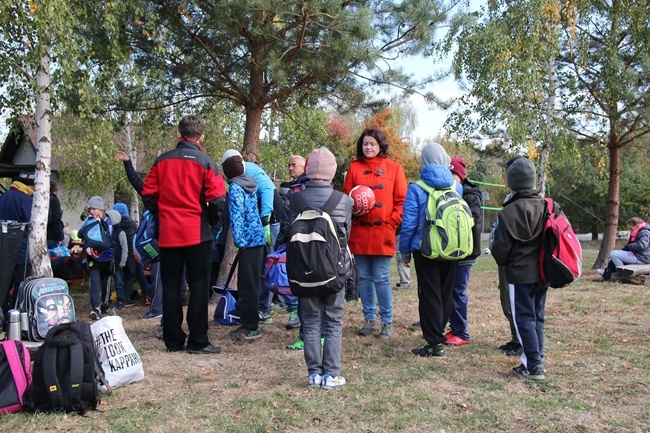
{"x":597,"y":356}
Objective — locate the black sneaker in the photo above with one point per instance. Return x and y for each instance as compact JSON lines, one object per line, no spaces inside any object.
{"x":95,"y":314}
{"x":430,"y":350}
{"x":535,"y":373}
{"x":129,"y":303}
{"x":207,"y":350}
{"x":120,"y":305}
{"x":509,"y":345}
{"x":242,"y":333}
{"x":516,"y":350}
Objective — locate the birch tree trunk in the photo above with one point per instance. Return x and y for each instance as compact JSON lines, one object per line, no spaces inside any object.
{"x":37,"y":243}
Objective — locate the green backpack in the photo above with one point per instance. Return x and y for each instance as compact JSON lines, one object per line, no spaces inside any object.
{"x":448,"y":227}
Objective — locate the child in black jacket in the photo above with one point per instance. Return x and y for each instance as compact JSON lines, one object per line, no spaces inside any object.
{"x":517,"y":245}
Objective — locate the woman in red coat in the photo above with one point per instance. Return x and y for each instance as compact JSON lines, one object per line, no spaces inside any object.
{"x":372,"y":240}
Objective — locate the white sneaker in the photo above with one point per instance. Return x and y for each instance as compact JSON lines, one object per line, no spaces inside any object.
{"x":315,"y":379}
{"x":600,"y":271}
{"x":332,"y":382}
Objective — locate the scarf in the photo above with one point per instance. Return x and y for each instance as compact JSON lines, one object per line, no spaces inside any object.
{"x":634,"y":232}
{"x":19,"y":186}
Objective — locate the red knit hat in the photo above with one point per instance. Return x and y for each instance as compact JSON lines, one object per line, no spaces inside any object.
{"x":459,"y":168}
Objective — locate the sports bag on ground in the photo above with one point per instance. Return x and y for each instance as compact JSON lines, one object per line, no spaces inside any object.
{"x":226,"y":312}
{"x":275,"y":272}
{"x":145,"y":241}
{"x":119,"y":359}
{"x":560,"y":260}
{"x":47,"y":302}
{"x":67,"y":373}
{"x":95,"y":235}
{"x":317,"y":265}
{"x":15,"y":376}
{"x":447,"y":232}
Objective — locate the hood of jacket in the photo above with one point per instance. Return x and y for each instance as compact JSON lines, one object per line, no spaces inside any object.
{"x":437,"y":176}
{"x":114,"y":216}
{"x":523,"y":218}
{"x":246,"y":182}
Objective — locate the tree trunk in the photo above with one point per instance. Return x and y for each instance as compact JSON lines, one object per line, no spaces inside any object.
{"x":613,"y":200}
{"x":255,"y":103}
{"x":38,"y":254}
{"x":594,"y":232}
{"x":549,"y":126}
{"x":226,"y":263}
{"x":250,"y":151}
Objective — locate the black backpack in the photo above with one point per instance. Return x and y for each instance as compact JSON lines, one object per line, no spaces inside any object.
{"x":67,"y":372}
{"x":317,"y":263}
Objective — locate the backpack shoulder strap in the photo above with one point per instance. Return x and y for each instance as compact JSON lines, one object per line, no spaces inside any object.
{"x":76,"y":375}
{"x":50,"y":376}
{"x":333,"y":201}
{"x":21,"y":373}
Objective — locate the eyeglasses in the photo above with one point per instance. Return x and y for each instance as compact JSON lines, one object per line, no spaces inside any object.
{"x":377,"y":173}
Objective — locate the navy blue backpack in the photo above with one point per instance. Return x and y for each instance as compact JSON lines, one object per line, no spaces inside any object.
{"x":226,"y":312}
{"x":145,"y":240}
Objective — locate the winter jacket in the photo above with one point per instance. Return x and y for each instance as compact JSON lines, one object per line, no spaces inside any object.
{"x":185,"y":190}
{"x":15,"y":205}
{"x":517,"y":238}
{"x":474,"y":199}
{"x":374,"y":233}
{"x":641,"y":245}
{"x":415,"y":206}
{"x":120,"y":245}
{"x":245,"y":222}
{"x":265,"y":189}
{"x":315,"y":195}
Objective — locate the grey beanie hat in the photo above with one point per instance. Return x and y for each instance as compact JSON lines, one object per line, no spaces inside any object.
{"x":96,"y":202}
{"x":114,"y":216}
{"x":434,"y":153}
{"x":522,"y":175}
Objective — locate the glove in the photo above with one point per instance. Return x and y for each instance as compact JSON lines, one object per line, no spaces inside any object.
{"x":406,"y":258}
{"x":267,"y":233}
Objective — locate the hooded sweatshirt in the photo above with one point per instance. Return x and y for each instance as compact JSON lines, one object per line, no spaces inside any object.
{"x":120,"y":246}
{"x":245,"y":222}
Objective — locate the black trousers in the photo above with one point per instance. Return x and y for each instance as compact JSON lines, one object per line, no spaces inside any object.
{"x":435,"y":286}
{"x":250,"y":265}
{"x":197,"y":259}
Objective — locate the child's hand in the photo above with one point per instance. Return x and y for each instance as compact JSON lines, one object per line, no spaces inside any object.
{"x":91,"y":252}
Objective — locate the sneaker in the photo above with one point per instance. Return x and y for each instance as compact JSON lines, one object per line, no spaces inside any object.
{"x":509,"y":346}
{"x":454,"y":340}
{"x":315,"y":380}
{"x":95,"y":314}
{"x":298,"y":345}
{"x":120,"y":305}
{"x":430,"y":350}
{"x":129,"y":303}
{"x":402,"y":286}
{"x":535,"y":373}
{"x":278,"y":306}
{"x":386,"y":331}
{"x":332,"y":382}
{"x":103,"y":307}
{"x":207,"y":350}
{"x":516,"y":350}
{"x":151,"y":316}
{"x":368,"y":327}
{"x":242,"y":333}
{"x":265,"y":318}
{"x":293,"y":321}
{"x":600,"y":271}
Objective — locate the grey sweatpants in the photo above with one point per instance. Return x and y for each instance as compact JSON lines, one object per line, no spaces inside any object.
{"x":328,"y":311}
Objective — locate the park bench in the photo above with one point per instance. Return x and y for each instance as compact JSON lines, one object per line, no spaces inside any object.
{"x":634,"y":274}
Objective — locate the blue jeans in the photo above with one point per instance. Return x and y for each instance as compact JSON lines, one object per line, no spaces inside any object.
{"x":374,"y":285}
{"x":459,"y":299}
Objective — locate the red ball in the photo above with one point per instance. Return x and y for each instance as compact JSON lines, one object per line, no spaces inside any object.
{"x":364,"y":200}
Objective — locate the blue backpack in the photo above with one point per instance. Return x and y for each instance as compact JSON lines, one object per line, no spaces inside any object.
{"x":145,"y":240}
{"x":226,"y":312}
{"x":275,"y":272}
{"x":95,"y":235}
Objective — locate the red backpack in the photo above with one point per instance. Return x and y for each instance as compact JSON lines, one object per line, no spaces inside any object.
{"x":560,"y":260}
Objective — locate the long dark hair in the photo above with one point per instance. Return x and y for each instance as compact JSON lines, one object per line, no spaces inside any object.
{"x":378,"y":135}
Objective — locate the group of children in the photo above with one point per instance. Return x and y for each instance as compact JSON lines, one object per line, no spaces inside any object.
{"x":517,"y":244}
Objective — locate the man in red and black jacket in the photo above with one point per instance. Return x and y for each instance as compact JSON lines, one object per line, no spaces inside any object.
{"x":185,"y":190}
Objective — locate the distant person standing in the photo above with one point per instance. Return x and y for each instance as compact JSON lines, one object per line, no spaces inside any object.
{"x":55,"y":233}
{"x":186,"y":192}
{"x":403,"y":268}
{"x":16,"y":205}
